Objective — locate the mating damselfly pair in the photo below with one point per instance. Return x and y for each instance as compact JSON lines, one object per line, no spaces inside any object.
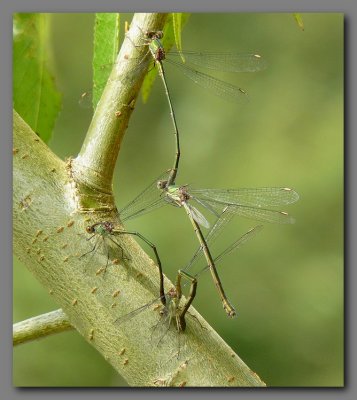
{"x":257,"y":204}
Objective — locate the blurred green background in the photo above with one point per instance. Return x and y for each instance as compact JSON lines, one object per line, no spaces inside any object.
{"x":287,"y":283}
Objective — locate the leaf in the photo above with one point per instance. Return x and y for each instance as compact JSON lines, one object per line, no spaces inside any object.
{"x":177,"y":19}
{"x":299,"y":21}
{"x":168,"y":41}
{"x":106,"y":45}
{"x":35,"y":96}
{"x":148,"y":83}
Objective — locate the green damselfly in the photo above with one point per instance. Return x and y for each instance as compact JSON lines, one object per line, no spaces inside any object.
{"x":173,"y":311}
{"x":104,"y":234}
{"x":249,"y":203}
{"x":226,"y":62}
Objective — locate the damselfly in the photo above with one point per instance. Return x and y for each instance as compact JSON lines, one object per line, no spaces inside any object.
{"x":105,"y":233}
{"x":173,"y":311}
{"x":249,"y":203}
{"x":227,"y":62}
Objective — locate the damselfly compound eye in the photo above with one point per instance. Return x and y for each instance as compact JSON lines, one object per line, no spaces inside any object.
{"x":90,"y":229}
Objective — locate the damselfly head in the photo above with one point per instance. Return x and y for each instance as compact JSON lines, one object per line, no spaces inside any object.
{"x":105,"y":227}
{"x":90,"y":229}
{"x":161,"y":184}
{"x":154,"y":34}
{"x":172,"y":293}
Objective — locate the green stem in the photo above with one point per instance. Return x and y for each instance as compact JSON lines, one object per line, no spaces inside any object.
{"x":41,"y":326}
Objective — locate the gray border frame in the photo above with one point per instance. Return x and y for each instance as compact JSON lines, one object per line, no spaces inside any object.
{"x":7,"y":8}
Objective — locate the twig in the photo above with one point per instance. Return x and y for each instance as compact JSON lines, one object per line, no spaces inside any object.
{"x":40,"y":326}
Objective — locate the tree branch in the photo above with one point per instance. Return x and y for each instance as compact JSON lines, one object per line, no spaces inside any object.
{"x":41,"y":326}
{"x":106,"y":131}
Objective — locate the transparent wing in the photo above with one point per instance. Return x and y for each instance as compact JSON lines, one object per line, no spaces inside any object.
{"x":207,"y":206}
{"x":228,"y":62}
{"x":146,"y":208}
{"x":256,"y":213}
{"x":132,"y":314}
{"x":225,"y":217}
{"x":197,"y":215}
{"x":258,"y":197}
{"x":216,"y":86}
{"x":234,"y":246}
{"x":148,"y":200}
{"x":212,"y":235}
{"x":95,"y":252}
{"x":101,"y":253}
{"x":238,"y":243}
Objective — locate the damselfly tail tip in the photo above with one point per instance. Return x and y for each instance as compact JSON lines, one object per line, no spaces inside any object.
{"x":231,"y":312}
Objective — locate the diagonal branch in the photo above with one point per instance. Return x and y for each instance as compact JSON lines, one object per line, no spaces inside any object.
{"x":100,"y":149}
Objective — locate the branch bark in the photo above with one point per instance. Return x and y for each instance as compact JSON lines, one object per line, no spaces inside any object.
{"x":53,"y":203}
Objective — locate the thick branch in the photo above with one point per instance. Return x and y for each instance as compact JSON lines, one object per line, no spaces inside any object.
{"x":48,"y":238}
{"x":41,"y":326}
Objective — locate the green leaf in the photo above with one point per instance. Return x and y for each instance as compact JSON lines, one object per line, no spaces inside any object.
{"x":167,"y":41}
{"x":106,"y":44}
{"x":177,"y":20}
{"x":34,"y":93}
{"x":148,"y":83}
{"x":299,"y":20}
{"x":171,"y":36}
